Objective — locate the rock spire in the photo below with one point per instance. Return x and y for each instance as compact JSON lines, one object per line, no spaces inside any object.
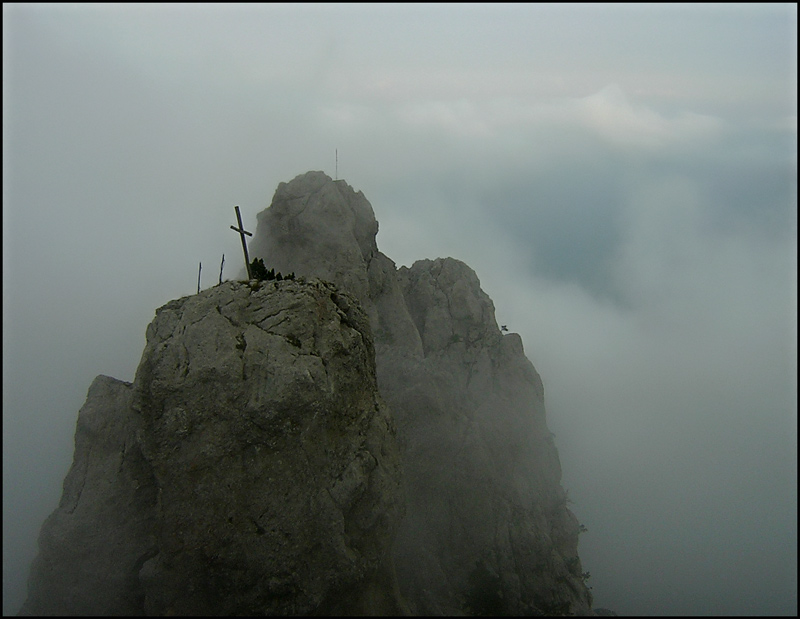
{"x":362,"y":439}
{"x":486,"y":516}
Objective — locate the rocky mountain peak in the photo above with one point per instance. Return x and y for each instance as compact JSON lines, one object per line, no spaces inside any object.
{"x":319,"y":227}
{"x":255,"y":464}
{"x":251,"y":468}
{"x":477,"y":455}
{"x":446,"y":303}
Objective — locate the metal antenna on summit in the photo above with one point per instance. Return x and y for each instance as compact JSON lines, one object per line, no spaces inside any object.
{"x":242,"y":232}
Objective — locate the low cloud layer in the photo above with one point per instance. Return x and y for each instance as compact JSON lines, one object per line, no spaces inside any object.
{"x":622,"y":180}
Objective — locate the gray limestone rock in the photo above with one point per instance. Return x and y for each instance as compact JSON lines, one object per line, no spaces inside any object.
{"x":279,"y":481}
{"x":93,"y":545}
{"x":314,"y":214}
{"x":487,"y":529}
{"x":266,"y":478}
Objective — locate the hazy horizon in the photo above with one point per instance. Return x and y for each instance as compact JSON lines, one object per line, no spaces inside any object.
{"x":622,"y":178}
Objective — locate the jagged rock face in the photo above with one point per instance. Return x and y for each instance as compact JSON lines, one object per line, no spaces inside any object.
{"x":487,"y":530}
{"x":93,"y":545}
{"x":270,"y":446}
{"x":266,"y":476}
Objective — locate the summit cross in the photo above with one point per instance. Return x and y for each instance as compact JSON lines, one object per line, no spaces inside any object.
{"x":242,"y":232}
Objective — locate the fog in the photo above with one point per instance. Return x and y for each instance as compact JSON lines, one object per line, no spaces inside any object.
{"x":623,"y":179}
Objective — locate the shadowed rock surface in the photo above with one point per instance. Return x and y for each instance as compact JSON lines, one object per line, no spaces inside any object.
{"x":250,"y":469}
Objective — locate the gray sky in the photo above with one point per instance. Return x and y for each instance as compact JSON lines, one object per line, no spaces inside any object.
{"x":623,"y":179}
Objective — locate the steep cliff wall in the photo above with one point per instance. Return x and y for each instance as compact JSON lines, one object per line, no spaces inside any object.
{"x":487,"y":529}
{"x":251,"y":468}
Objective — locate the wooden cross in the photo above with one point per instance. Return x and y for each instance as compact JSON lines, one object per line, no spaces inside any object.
{"x":242,"y":232}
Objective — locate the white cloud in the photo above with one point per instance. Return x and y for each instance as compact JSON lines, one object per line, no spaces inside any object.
{"x":608,"y":114}
{"x":150,"y":128}
{"x":611,"y":115}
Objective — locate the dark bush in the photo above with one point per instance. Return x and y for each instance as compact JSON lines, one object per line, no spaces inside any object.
{"x":258,"y":270}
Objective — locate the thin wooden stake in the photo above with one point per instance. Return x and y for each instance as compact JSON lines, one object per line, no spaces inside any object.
{"x":220,"y":268}
{"x":200,"y":268}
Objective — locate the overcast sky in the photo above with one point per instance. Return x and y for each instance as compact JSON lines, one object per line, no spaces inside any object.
{"x":623,"y":179}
